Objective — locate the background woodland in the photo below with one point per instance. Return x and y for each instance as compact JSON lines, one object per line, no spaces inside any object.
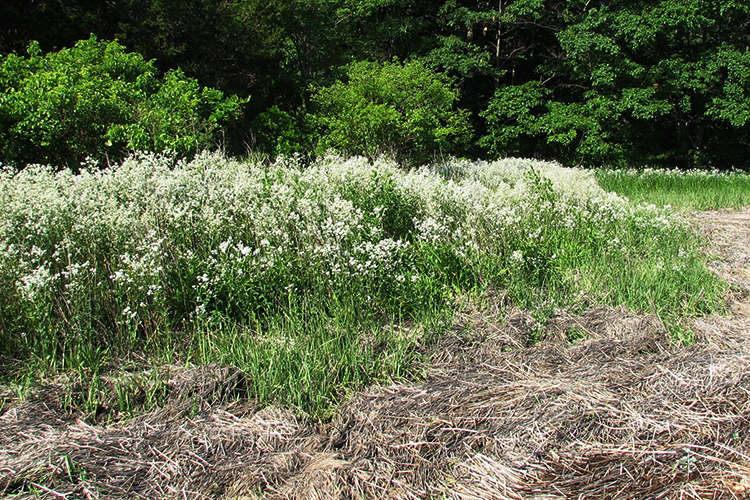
{"x":585,"y":82}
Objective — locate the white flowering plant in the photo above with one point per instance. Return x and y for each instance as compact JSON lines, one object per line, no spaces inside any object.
{"x":298,"y":274}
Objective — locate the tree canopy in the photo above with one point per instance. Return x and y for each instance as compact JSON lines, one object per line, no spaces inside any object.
{"x":609,"y":82}
{"x":97,"y":101}
{"x":404,"y":111}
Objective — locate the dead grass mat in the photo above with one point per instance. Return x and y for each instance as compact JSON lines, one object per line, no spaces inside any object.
{"x":623,"y":413}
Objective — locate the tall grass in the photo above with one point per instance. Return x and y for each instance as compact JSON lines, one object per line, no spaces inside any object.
{"x":313,"y":281}
{"x":684,"y":190}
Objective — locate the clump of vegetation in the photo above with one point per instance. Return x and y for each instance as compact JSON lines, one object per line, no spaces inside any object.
{"x":648,"y":83}
{"x":313,"y":281}
{"x":96,"y":100}
{"x":405,"y":111}
{"x":682,"y":189}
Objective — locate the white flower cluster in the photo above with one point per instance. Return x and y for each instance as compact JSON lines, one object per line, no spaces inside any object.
{"x":659,"y":173}
{"x":217,"y":231}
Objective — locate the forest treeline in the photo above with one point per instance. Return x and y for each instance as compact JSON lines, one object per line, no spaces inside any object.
{"x":585,"y":82}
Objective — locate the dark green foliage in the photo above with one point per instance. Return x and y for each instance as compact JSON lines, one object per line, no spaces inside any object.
{"x":96,"y":100}
{"x":282,"y":133}
{"x":234,"y":46}
{"x":231,"y":45}
{"x":643,"y":82}
{"x":648,"y":82}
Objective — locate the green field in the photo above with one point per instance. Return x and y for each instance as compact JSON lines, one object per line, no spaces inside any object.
{"x":682,"y":190}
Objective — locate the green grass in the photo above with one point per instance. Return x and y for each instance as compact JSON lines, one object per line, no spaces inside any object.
{"x":691,"y":190}
{"x":310,"y":359}
{"x":314,"y":281}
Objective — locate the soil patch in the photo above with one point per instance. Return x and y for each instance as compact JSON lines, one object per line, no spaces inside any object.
{"x":606,"y":407}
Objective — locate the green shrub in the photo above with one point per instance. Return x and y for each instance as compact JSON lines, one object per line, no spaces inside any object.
{"x":281,"y":133}
{"x":97,"y":100}
{"x":404,"y":111}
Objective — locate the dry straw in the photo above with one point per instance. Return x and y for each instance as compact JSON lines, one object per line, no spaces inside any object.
{"x":622,"y":413}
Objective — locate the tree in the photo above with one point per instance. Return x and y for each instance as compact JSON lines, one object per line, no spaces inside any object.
{"x":403,"y":110}
{"x":96,"y":100}
{"x":233,"y":45}
{"x":639,"y":82}
{"x":662,"y":82}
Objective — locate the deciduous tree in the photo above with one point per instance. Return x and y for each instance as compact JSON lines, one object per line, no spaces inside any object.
{"x":406,"y":111}
{"x":97,"y":100}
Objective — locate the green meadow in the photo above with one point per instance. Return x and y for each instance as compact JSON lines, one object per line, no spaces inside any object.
{"x":680,"y":189}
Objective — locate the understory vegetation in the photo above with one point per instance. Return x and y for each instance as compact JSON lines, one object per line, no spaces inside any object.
{"x":97,"y":101}
{"x":315,"y":280}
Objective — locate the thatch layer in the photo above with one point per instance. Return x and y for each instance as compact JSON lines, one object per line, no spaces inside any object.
{"x":621,"y":413}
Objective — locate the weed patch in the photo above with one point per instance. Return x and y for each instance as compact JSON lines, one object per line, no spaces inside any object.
{"x":314,"y":281}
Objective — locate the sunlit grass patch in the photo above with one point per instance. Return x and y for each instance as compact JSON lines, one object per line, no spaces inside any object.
{"x":314,"y":281}
{"x":684,"y":190}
